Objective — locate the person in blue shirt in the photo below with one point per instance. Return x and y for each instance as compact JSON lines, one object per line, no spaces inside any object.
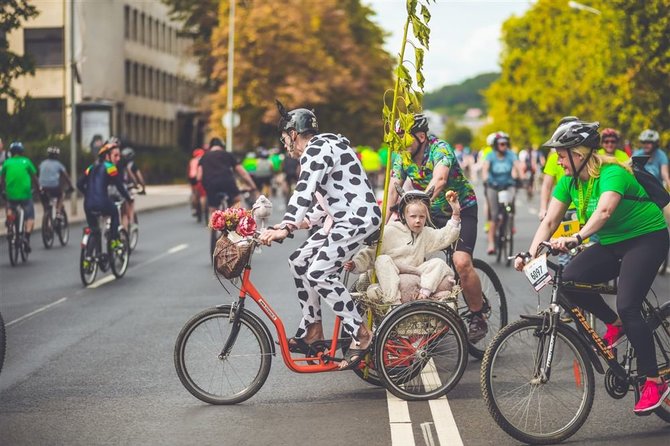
{"x":500,"y":172}
{"x":94,"y":183}
{"x":51,"y":171}
{"x":657,"y":165}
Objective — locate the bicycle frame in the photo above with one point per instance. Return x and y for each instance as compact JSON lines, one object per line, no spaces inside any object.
{"x":324,"y":360}
{"x":590,"y":339}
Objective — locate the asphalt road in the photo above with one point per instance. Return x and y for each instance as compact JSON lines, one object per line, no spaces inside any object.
{"x":94,"y":366}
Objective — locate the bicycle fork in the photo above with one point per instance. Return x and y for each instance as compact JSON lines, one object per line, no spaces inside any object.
{"x":236,"y":310}
{"x":545,"y":353}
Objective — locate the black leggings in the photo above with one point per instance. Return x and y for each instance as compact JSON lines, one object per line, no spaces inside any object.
{"x":635,"y":262}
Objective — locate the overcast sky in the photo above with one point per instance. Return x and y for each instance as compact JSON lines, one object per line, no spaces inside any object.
{"x":464,"y":35}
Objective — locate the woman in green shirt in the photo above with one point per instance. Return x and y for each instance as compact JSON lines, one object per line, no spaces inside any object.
{"x":633,"y":241}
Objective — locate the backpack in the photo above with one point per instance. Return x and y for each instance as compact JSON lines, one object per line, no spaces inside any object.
{"x":649,"y":182}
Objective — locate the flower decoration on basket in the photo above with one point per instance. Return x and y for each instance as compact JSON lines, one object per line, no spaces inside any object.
{"x":237,"y":220}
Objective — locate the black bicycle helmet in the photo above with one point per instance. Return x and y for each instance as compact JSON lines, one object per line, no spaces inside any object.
{"x":16,"y":147}
{"x":411,"y":196}
{"x":301,"y":120}
{"x":575,"y":133}
{"x":53,"y":152}
{"x":128,"y":154}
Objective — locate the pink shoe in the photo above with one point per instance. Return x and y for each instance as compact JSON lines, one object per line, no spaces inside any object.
{"x":652,"y":396}
{"x":613,"y":333}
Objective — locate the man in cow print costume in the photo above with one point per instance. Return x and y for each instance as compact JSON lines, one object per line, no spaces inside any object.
{"x":334,"y":194}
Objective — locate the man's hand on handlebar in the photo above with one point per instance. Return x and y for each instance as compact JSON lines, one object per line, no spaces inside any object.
{"x":273,"y":235}
{"x":521,"y":259}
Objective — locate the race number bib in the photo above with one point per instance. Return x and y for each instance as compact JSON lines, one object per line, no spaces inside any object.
{"x":537,"y":272}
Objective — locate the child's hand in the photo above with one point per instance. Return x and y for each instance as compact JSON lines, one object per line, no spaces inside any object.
{"x":452,"y":199}
{"x":349,"y":265}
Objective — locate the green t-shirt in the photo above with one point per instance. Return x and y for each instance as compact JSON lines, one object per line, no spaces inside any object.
{"x":630,"y":219}
{"x":17,"y":171}
{"x":620,"y":155}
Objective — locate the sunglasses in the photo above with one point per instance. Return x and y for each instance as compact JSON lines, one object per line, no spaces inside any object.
{"x":609,"y":141}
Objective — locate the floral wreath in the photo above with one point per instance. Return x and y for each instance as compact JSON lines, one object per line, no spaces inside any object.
{"x":239,"y":220}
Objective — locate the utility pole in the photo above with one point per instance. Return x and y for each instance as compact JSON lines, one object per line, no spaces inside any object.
{"x":73,"y":116}
{"x":231,"y":56}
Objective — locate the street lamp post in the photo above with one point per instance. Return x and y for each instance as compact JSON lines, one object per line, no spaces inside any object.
{"x":231,"y":49}
{"x":73,"y":116}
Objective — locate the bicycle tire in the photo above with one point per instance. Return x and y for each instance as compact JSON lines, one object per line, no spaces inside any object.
{"x":186,"y":361}
{"x":13,"y":248}
{"x":507,"y":349}
{"x":88,"y":263}
{"x":421,"y":351}
{"x":22,"y":243}
{"x":64,"y":229}
{"x":118,"y":258}
{"x":134,"y":233}
{"x":47,"y":229}
{"x":3,"y":342}
{"x":494,"y":295}
{"x":501,"y":222}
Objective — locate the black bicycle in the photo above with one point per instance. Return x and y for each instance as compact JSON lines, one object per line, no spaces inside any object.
{"x":92,"y":256}
{"x":505,"y":226}
{"x":537,"y":374}
{"x":17,"y":241}
{"x":54,"y":223}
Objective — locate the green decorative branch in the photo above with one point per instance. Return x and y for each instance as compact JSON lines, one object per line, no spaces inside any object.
{"x":407,"y":97}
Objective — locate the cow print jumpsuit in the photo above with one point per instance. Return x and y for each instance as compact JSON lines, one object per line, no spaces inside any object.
{"x":333,"y":193}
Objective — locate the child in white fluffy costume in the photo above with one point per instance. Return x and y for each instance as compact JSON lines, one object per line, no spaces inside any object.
{"x":407,"y":242}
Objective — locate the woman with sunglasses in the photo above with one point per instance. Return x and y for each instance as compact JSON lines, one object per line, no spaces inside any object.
{"x":501,"y":169}
{"x":610,"y":140}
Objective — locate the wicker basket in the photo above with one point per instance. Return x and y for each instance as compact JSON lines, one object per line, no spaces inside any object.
{"x":230,"y":257}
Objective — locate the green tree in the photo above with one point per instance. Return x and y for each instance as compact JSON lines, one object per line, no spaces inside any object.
{"x":321,"y":54}
{"x":12,"y":65}
{"x":559,"y":61}
{"x":457,"y":134}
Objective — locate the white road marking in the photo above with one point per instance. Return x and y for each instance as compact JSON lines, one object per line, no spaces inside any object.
{"x":401,"y":425}
{"x":177,"y":248}
{"x":172,"y":250}
{"x":102,"y":281}
{"x":39,"y":310}
{"x":428,"y":433}
{"x":445,"y":425}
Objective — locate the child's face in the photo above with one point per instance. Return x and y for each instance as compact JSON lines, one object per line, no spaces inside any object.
{"x":416,"y":215}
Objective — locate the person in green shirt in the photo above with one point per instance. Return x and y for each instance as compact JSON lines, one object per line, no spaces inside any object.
{"x":633,"y":242}
{"x":17,"y":176}
{"x":610,"y":139}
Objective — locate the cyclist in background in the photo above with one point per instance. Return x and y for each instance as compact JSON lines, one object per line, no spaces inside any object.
{"x":501,"y":170}
{"x":197,"y":191}
{"x":216,"y":171}
{"x":263,"y":174}
{"x":132,"y":179}
{"x":633,"y":242}
{"x":95,"y":183}
{"x":429,"y":162}
{"x":610,"y":140}
{"x":291,"y":170}
{"x":51,"y":172}
{"x":17,"y":176}
{"x":657,"y":165}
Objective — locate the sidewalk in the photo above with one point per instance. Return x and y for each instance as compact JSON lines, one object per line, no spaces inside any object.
{"x":157,"y":197}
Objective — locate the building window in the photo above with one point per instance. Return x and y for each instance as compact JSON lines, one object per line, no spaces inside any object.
{"x":128,"y":77}
{"x":52,"y":112}
{"x":133,"y":25}
{"x":45,"y":46}
{"x":126,"y":21}
{"x":142,"y":27}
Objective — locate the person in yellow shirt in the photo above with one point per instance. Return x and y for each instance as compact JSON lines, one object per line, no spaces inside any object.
{"x":610,"y":140}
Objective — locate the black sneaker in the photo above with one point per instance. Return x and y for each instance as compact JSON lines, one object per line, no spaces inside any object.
{"x":477,"y":328}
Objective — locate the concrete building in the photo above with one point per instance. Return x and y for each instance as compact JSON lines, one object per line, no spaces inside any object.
{"x":136,"y":76}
